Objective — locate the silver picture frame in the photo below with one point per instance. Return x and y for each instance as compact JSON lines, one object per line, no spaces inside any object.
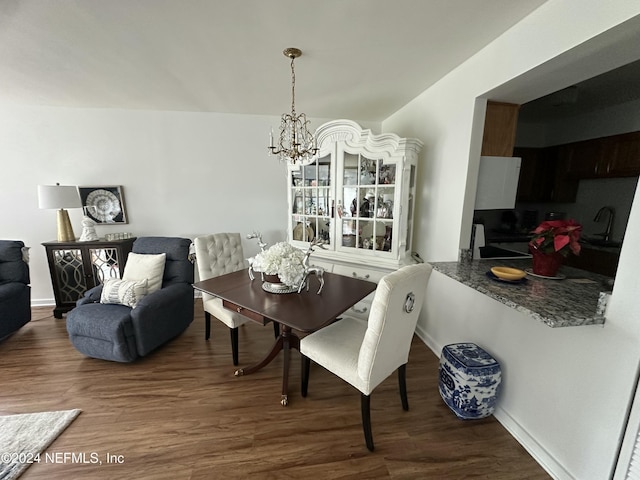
{"x":104,"y":204}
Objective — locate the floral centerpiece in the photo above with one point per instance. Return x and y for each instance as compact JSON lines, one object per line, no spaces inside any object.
{"x":552,"y":241}
{"x":283,"y":260}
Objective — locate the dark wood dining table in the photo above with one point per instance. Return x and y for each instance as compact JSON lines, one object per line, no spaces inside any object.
{"x":305,"y":312}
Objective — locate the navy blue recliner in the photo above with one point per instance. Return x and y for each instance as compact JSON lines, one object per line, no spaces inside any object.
{"x":120,"y":333}
{"x":15,"y":292}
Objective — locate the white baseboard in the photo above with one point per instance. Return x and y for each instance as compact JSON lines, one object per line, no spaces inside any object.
{"x":47,"y":302}
{"x":530,"y":444}
{"x":43,"y":302}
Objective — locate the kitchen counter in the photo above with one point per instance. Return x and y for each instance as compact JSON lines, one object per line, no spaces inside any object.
{"x":579,"y":299}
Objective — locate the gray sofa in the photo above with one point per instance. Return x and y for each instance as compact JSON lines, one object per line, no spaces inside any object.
{"x":15,"y":292}
{"x":121,"y":333}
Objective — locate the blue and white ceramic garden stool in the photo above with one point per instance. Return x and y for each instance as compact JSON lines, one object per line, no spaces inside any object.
{"x":469,"y":380}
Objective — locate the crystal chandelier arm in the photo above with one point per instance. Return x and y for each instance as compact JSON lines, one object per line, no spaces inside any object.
{"x":296,"y":145}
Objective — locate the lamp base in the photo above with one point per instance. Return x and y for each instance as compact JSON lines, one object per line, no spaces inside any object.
{"x":65,"y":230}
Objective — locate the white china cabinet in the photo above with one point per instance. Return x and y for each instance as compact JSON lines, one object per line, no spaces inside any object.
{"x":358,"y":196}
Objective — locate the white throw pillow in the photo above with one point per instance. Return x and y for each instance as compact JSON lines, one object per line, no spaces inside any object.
{"x":142,"y":266}
{"x":123,"y":292}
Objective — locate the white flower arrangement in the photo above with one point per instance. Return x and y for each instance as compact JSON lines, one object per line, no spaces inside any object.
{"x":281,"y":259}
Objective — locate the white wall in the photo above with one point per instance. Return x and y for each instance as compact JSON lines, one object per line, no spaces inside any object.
{"x":566,"y":390}
{"x":183,"y":174}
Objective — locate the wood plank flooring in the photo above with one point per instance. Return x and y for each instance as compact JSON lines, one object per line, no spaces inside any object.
{"x":180,"y":413}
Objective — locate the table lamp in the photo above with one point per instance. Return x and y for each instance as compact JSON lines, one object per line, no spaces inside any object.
{"x":60,"y":197}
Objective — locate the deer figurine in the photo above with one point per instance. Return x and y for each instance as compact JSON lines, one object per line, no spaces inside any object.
{"x":309,"y":270}
{"x":261,"y":244}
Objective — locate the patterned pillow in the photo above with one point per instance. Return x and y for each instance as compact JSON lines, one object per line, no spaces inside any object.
{"x":123,"y":292}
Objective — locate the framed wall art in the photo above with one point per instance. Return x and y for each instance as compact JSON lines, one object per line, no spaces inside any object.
{"x":103,"y":204}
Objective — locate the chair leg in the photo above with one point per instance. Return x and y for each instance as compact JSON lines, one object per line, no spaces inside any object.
{"x":402,"y":380}
{"x":305,"y":374}
{"x":234,"y":344}
{"x":207,"y":325}
{"x":365,"y":408}
{"x":276,"y":329}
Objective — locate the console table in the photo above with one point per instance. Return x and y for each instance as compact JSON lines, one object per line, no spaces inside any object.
{"x":76,"y":267}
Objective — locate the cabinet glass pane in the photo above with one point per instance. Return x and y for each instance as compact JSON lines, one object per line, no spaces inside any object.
{"x":104,"y":262}
{"x":368,"y":193}
{"x":384,"y":206}
{"x":70,"y":274}
{"x":309,"y":207}
{"x":312,"y":202}
{"x":387,"y":175}
{"x":375,"y":235}
{"x":323,"y":227}
{"x":349,"y":230}
{"x":297,"y":201}
{"x":321,"y":199}
{"x":368,"y":168}
{"x":350,"y":196}
{"x":410,"y":205}
{"x":302,"y":230}
{"x":387,"y":237}
{"x":350,"y":176}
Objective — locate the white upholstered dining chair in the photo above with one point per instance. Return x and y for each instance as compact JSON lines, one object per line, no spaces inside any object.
{"x":365,"y":353}
{"x":218,"y":254}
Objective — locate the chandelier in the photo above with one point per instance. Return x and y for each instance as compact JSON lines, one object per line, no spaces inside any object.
{"x":296,"y":145}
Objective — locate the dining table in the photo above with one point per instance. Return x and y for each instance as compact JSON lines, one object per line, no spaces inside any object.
{"x":305,"y":312}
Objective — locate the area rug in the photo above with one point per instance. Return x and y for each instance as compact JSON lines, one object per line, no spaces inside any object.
{"x":24,"y":436}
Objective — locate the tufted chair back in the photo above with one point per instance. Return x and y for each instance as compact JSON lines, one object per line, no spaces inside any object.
{"x":217,"y":254}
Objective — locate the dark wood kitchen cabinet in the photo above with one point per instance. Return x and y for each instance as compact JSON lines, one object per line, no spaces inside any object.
{"x":501,"y":121}
{"x":543,"y":176}
{"x":605,"y":157}
{"x":585,"y":159}
{"x":75,"y":267}
{"x":625,"y":159}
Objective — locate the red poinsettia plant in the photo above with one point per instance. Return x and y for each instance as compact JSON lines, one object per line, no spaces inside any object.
{"x":560,"y":236}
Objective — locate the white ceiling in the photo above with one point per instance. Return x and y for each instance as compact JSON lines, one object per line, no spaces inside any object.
{"x":617,"y":86}
{"x":362,"y":59}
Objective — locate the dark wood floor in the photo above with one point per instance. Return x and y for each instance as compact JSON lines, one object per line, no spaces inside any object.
{"x":181,"y":414}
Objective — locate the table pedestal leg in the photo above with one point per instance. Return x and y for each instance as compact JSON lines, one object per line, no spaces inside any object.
{"x":277,"y":346}
{"x":285,"y":342}
{"x":290,"y":340}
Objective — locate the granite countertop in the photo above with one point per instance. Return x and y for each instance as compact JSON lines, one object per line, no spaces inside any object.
{"x":579,"y":299}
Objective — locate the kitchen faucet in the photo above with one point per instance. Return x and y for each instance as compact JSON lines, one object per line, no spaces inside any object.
{"x":607,"y":233}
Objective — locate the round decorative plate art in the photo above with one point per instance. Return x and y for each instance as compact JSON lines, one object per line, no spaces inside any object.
{"x":106,"y":206}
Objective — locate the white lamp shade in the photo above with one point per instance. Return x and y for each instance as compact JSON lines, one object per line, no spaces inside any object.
{"x":58,"y":196}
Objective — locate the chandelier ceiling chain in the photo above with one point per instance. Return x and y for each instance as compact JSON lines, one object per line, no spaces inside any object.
{"x":296,"y":145}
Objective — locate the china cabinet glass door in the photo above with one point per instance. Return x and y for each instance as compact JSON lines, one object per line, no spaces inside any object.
{"x":311,"y":201}
{"x":367,"y":203}
{"x":358,"y":196}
